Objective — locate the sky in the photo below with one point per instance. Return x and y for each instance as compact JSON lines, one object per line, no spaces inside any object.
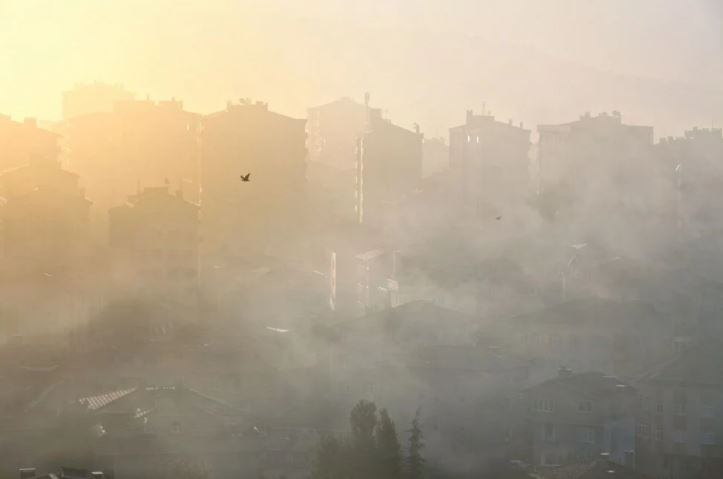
{"x":539,"y":61}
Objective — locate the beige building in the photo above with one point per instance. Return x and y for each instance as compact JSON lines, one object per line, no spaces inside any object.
{"x":389,"y":168}
{"x":155,"y":240}
{"x":21,"y":141}
{"x":138,"y":143}
{"x":45,"y":218}
{"x":265,"y":214}
{"x":98,"y":97}
{"x":490,"y":162}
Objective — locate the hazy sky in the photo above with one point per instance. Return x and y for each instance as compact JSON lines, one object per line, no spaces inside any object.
{"x":661,"y":61}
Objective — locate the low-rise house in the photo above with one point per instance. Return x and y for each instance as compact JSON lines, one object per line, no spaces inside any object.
{"x":575,"y":417}
{"x":680,"y":430}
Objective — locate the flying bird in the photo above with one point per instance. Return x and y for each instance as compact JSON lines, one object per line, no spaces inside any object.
{"x":498,"y":218}
{"x":246,"y":178}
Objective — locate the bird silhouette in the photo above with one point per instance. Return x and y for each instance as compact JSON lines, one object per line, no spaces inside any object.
{"x":498,"y":218}
{"x":246,"y":178}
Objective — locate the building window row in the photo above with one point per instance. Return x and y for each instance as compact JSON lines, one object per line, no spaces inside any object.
{"x":544,"y":405}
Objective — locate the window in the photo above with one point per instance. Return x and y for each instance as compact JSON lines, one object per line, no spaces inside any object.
{"x":708,"y":439}
{"x":586,"y":435}
{"x":680,"y":423}
{"x":659,"y":432}
{"x":680,"y":437}
{"x":548,"y":432}
{"x":679,"y":403}
{"x":708,"y":401}
{"x":543,"y":405}
{"x":706,"y":424}
{"x":584,"y":406}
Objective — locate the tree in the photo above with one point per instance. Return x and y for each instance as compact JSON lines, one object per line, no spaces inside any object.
{"x":372,"y":449}
{"x":363,"y":421}
{"x":329,"y":462}
{"x":389,"y":451}
{"x":415,"y":461}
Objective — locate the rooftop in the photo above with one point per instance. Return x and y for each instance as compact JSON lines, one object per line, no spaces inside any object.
{"x":597,"y":469}
{"x":698,"y":365}
{"x":592,"y":384}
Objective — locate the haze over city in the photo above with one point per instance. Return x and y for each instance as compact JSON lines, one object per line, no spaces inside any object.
{"x":660,"y":61}
{"x":352,"y":240}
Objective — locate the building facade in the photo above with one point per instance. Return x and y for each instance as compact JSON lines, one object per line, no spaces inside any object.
{"x":578,"y":416}
{"x":139,"y":143}
{"x":680,"y":432}
{"x":490,"y":161}
{"x":264,"y":214}
{"x":389,"y":167}
{"x":92,"y":98}
{"x":155,"y":242}
{"x":22,"y":141}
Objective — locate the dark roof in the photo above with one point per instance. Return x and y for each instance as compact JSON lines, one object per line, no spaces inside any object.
{"x":126,"y":400}
{"x":93,"y":403}
{"x":250,"y":110}
{"x":343,"y":101}
{"x":465,"y":358}
{"x":594,"y":311}
{"x":408,"y":319}
{"x":597,"y":469}
{"x":594,"y":384}
{"x":698,"y":365}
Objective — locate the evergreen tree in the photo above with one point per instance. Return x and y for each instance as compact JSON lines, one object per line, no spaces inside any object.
{"x":371,"y":451}
{"x":329,"y":460}
{"x":363,"y":421}
{"x":415,"y":461}
{"x":389,"y":451}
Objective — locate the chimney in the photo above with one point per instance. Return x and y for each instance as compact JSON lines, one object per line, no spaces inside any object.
{"x":27,"y":472}
{"x":367,"y":96}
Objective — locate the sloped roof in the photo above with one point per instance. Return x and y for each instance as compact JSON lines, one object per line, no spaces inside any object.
{"x":94,"y":403}
{"x":594,"y":311}
{"x":465,"y":358}
{"x":698,"y":365}
{"x":201,"y":401}
{"x":597,"y":469}
{"x":594,"y":384}
{"x":410,"y":315}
